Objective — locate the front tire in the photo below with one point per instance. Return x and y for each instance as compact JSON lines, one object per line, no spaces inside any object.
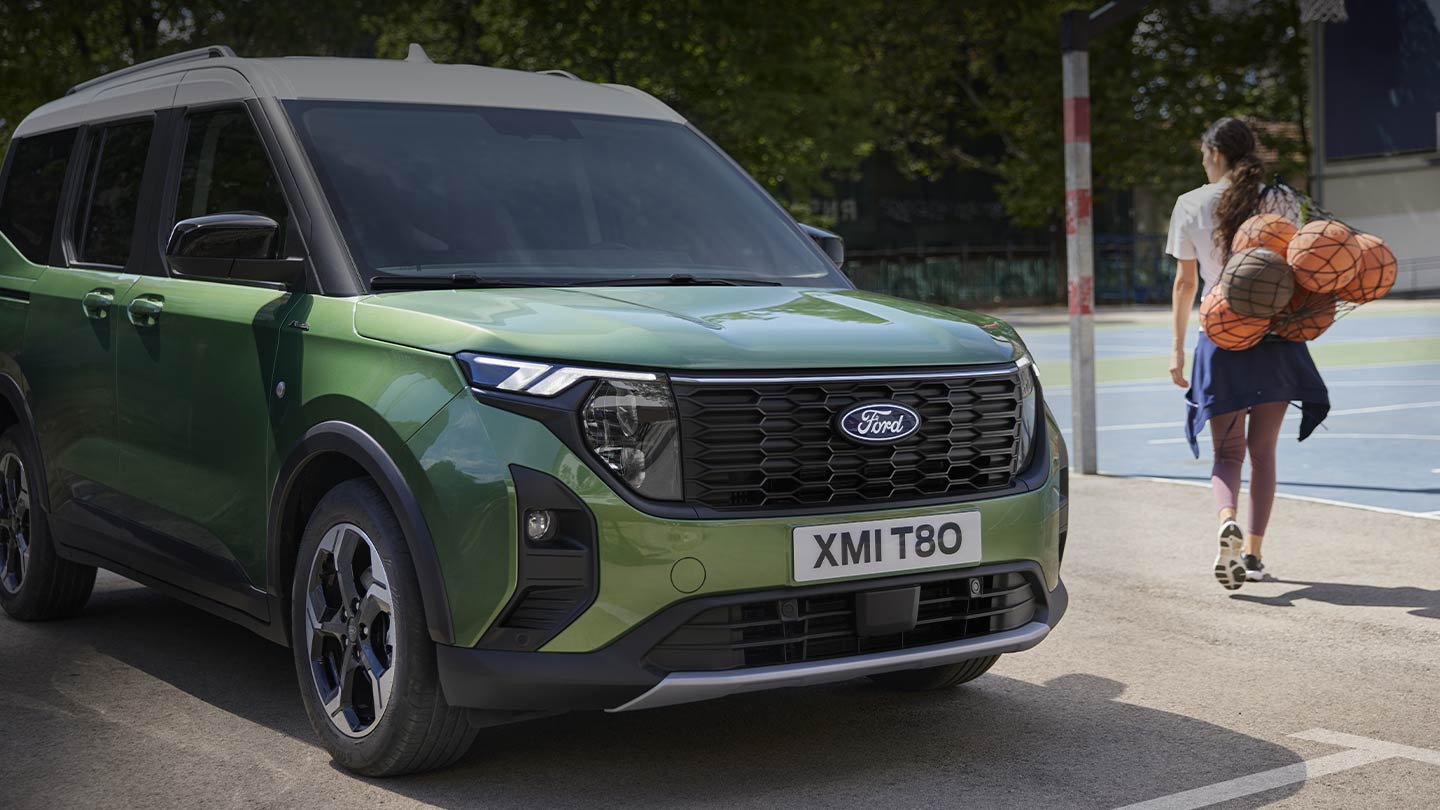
{"x":363,"y":655}
{"x":35,"y":583}
{"x":934,"y":678}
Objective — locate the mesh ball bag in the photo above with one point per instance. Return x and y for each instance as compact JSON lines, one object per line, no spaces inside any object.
{"x":1306,"y":317}
{"x":1257,"y":283}
{"x":1225,"y":327}
{"x":1324,"y":255}
{"x":1269,"y":231}
{"x":1376,"y":274}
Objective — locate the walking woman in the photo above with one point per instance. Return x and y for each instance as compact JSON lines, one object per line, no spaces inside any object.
{"x":1243,"y":395}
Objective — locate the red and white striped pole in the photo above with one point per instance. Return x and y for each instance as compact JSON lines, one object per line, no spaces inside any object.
{"x":1079,"y":238}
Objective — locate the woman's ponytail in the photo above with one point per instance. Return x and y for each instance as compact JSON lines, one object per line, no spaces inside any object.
{"x":1236,"y":143}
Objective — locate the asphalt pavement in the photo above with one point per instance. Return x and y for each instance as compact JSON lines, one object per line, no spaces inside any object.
{"x":1158,"y":689}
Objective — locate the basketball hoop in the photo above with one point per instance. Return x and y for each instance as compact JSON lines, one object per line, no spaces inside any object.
{"x":1323,"y":11}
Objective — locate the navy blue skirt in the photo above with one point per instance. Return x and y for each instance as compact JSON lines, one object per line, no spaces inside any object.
{"x":1273,"y":370}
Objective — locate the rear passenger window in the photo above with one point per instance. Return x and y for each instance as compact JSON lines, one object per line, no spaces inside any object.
{"x":30,"y":202}
{"x":105,"y":220}
{"x":226,"y":171}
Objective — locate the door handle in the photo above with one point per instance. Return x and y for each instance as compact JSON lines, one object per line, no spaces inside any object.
{"x":145,"y":310}
{"x":97,"y":303}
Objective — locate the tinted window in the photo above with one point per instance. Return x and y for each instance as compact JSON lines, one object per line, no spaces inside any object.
{"x":105,"y":220}
{"x":225,"y":170}
{"x":544,"y":196}
{"x":31,"y":199}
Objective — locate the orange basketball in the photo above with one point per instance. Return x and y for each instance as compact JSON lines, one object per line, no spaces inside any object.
{"x":1226,"y":328}
{"x":1324,"y":255}
{"x":1307,"y":317}
{"x":1376,"y":274}
{"x":1269,"y":231}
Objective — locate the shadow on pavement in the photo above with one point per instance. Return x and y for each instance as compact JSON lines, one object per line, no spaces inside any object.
{"x":1424,"y":603}
{"x":998,"y":742}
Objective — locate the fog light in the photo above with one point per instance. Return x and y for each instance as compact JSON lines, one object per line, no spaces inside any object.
{"x":539,"y":525}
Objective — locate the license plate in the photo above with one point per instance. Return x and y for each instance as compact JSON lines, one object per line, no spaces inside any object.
{"x":885,"y":546}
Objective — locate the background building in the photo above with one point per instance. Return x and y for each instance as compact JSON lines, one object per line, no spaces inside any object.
{"x":1376,"y":157}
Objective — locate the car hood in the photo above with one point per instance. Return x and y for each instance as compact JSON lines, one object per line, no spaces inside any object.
{"x":689,"y":327}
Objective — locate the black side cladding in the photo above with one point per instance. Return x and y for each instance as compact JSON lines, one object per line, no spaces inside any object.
{"x":556,"y":580}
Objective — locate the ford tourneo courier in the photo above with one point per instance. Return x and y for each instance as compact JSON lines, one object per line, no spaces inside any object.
{"x":493,"y":394}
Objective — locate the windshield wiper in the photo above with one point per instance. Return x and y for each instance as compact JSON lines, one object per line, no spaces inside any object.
{"x":678,"y":279}
{"x":446,"y":282}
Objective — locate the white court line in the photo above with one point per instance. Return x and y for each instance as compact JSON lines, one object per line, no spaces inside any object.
{"x":1288,"y":496}
{"x":1065,"y":389}
{"x":1162,"y":388}
{"x":1403,"y":406}
{"x":1362,"y":751}
{"x":1409,"y":437}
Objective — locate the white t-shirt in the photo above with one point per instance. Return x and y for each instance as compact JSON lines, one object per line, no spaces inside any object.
{"x":1192,"y":230}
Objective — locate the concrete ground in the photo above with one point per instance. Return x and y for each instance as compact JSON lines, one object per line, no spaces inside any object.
{"x":1157,"y":683}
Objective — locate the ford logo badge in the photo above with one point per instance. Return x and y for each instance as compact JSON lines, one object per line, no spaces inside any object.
{"x":879,"y":422}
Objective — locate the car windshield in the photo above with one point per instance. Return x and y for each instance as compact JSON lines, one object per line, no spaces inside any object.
{"x":519,"y":197}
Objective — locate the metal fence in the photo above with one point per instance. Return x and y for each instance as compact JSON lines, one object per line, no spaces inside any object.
{"x":1127,"y":270}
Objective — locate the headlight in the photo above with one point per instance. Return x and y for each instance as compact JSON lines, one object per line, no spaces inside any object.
{"x":1029,"y":407}
{"x":630,"y":425}
{"x":628,"y":421}
{"x":535,"y":378}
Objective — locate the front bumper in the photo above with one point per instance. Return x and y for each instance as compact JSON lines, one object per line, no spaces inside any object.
{"x":618,"y":677}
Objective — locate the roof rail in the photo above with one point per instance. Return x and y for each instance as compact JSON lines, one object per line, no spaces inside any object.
{"x":208,"y":52}
{"x":563,"y":73}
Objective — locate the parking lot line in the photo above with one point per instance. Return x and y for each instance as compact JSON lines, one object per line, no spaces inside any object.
{"x":1360,"y":751}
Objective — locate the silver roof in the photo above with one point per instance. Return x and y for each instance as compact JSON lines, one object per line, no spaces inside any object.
{"x":149,"y":87}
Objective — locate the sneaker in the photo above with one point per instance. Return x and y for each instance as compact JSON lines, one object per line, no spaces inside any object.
{"x":1254,"y":569}
{"x":1229,"y":570}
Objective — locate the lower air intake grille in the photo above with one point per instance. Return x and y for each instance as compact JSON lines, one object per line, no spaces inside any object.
{"x":763,"y":633}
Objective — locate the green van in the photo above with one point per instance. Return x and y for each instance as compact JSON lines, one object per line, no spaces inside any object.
{"x":493,"y":394}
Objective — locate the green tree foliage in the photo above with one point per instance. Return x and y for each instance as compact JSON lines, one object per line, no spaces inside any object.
{"x":47,"y":47}
{"x":798,"y":92}
{"x":1157,"y":81}
{"x":783,"y":87}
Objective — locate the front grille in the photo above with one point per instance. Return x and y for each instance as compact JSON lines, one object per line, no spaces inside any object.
{"x":775,"y":444}
{"x":812,"y":628}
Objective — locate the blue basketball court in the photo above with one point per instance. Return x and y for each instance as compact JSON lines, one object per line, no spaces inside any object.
{"x":1379,"y":448}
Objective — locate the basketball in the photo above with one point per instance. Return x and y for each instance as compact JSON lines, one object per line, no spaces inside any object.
{"x":1269,"y":231}
{"x":1257,"y":283}
{"x":1225,"y":327}
{"x":1307,"y":316}
{"x":1376,"y":274}
{"x":1324,"y":255}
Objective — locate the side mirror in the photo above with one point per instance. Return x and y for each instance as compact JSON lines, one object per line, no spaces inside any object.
{"x":240,"y":247}
{"x":832,"y":244}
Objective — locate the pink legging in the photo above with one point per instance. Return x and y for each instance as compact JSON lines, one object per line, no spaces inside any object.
{"x":1231,"y":437}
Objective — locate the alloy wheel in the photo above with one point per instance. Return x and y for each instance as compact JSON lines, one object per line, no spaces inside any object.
{"x":350,"y":630}
{"x":14,"y":522}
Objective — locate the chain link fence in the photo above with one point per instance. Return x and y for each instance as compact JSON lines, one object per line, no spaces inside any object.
{"x":1128,"y":270}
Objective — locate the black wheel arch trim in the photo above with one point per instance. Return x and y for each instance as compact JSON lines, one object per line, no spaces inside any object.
{"x":14,"y":394}
{"x":362,"y":448}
